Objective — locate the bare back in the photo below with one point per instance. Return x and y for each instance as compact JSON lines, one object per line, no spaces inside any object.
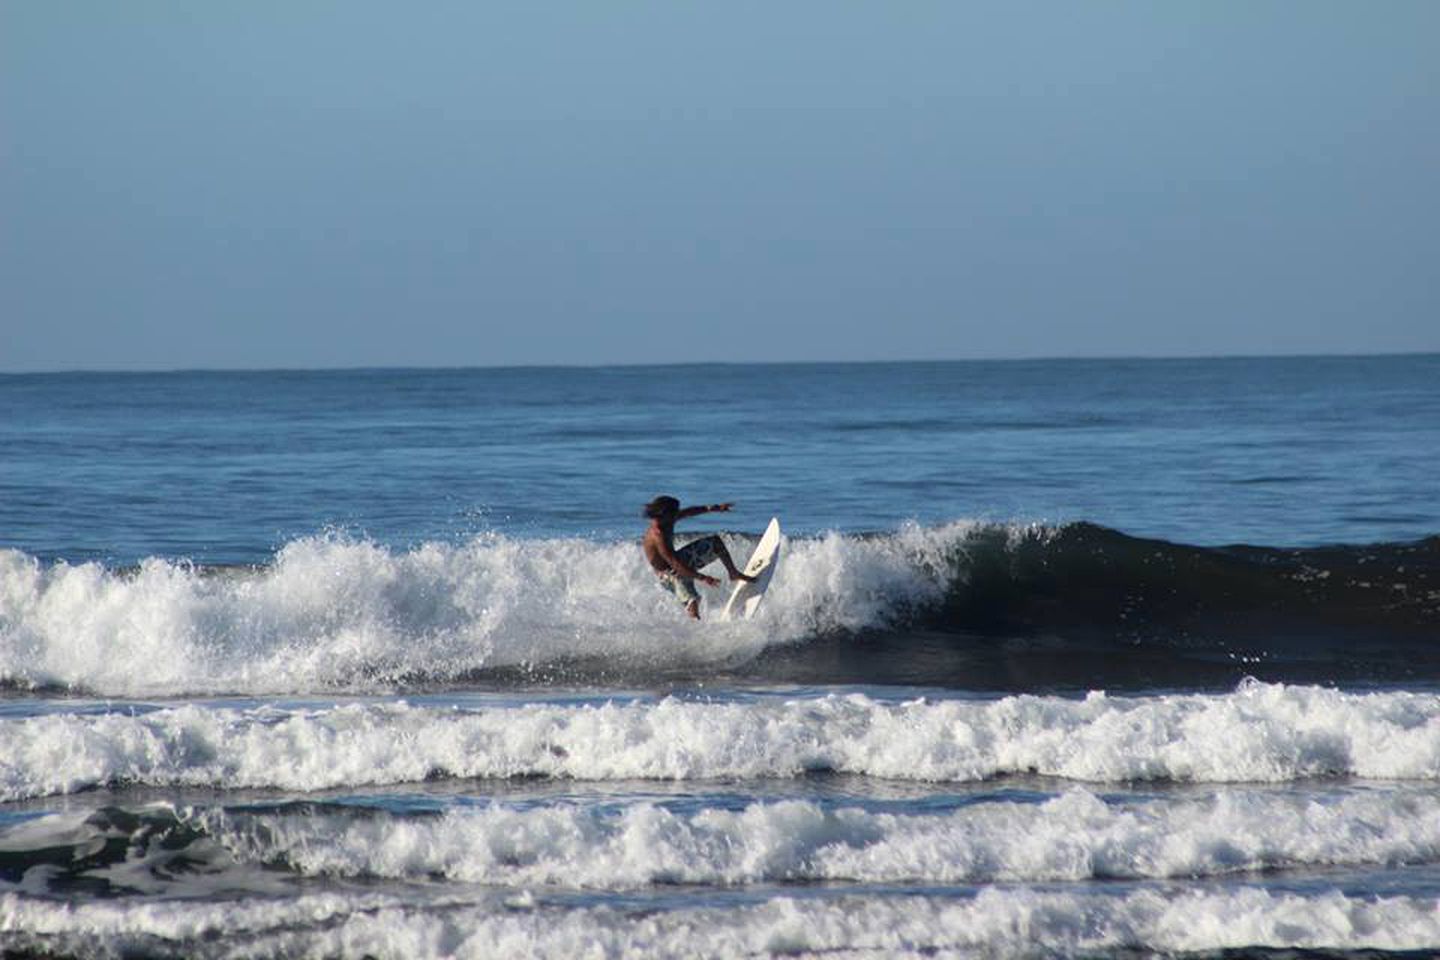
{"x":659,"y":545}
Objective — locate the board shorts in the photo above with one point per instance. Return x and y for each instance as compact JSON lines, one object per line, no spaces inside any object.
{"x":695,"y":555}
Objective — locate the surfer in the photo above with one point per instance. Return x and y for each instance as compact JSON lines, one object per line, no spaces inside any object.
{"x":679,"y":569}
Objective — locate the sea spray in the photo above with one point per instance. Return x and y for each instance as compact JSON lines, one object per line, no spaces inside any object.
{"x":337,"y":613}
{"x":1259,"y":732}
{"x":1077,"y":835}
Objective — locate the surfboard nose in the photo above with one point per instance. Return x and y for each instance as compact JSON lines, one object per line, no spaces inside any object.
{"x":745,"y":598}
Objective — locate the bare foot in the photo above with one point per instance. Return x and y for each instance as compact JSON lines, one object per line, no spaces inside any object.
{"x":737,"y":575}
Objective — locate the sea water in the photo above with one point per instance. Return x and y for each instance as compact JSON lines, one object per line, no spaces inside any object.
{"x":1086,"y":658}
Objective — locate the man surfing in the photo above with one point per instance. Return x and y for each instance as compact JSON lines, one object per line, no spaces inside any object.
{"x":679,"y":569}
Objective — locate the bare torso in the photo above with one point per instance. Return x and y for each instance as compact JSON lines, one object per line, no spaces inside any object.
{"x":659,"y":545}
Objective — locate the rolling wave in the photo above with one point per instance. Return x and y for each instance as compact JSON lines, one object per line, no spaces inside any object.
{"x":963,"y":604}
{"x":1257,"y":733}
{"x":1076,"y":836}
{"x":996,"y":922}
{"x":1084,"y":578}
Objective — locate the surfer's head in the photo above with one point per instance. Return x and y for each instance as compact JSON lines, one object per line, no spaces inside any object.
{"x":661,"y":507}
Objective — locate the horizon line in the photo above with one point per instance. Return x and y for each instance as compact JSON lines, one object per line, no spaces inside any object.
{"x":140,"y":368}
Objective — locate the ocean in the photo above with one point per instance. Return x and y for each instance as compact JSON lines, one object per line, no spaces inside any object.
{"x":1100,"y":658}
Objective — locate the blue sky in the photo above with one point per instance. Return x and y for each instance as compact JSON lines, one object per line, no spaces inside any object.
{"x":279,"y":184}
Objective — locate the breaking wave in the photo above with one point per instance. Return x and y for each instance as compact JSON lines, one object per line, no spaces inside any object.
{"x":1008,"y":922}
{"x":964,"y":604}
{"x":1075,"y":836}
{"x":1256,"y":733}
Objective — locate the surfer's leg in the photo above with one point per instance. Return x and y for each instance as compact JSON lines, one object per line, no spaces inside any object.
{"x":684,"y":591}
{"x":698,"y":554}
{"x":730,"y":568}
{"x":706,"y":550}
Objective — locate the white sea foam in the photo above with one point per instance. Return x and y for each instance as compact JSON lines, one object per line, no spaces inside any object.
{"x":335,"y":612}
{"x":1259,"y":732}
{"x":1076,"y":836}
{"x":1015,"y":922}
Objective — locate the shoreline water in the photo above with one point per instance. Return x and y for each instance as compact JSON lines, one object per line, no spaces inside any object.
{"x":369,"y":664}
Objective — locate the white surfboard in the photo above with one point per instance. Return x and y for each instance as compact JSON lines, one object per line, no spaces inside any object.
{"x":746,"y":596}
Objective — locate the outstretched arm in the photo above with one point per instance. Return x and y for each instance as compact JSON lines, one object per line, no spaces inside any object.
{"x":710,"y":508}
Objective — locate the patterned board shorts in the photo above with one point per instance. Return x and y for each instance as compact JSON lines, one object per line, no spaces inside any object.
{"x":695,"y":554}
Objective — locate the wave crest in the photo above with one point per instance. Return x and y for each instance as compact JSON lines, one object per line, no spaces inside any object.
{"x":967,"y":604}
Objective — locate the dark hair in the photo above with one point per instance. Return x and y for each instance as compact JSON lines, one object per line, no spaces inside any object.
{"x":661,"y":506}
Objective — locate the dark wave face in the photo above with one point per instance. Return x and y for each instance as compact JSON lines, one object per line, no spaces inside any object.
{"x":1087,"y":578}
{"x":1086,"y":605}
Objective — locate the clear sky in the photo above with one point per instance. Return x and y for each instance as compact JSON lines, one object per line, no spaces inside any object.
{"x":293,"y":184}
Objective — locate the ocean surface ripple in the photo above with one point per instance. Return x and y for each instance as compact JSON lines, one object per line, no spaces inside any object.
{"x":1103,"y":659}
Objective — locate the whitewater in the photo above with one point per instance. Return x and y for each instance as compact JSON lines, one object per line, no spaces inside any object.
{"x":335,"y":613}
{"x":1064,"y":659}
{"x":1258,"y":733}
